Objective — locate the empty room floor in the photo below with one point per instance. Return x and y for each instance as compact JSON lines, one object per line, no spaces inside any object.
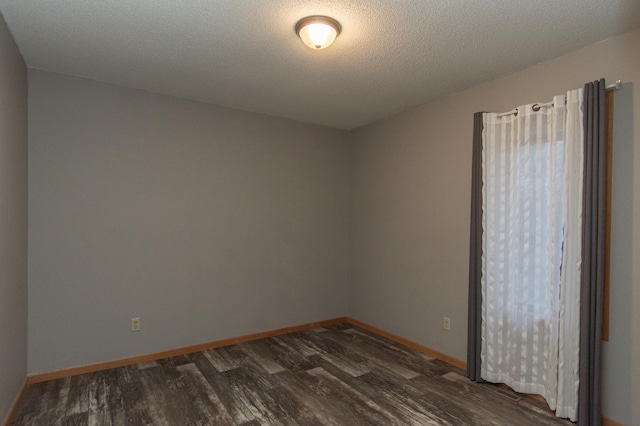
{"x":338,"y":375}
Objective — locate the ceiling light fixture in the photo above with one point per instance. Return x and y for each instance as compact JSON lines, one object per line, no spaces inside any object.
{"x":318,"y":32}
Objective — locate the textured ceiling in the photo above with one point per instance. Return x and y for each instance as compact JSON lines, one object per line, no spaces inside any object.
{"x":392,"y":54}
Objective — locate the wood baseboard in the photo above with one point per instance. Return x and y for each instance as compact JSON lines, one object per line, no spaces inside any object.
{"x":90,"y":368}
{"x":606,"y":421}
{"x":15,"y":404}
{"x":428,"y":351}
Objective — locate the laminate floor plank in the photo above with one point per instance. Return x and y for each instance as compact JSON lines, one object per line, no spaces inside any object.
{"x":99,"y":407}
{"x":335,"y":375}
{"x":59,"y":408}
{"x":115,"y":403}
{"x":205,"y":400}
{"x":319,"y":402}
{"x":219,"y":362}
{"x":78,"y":419}
{"x":367,"y":409}
{"x":185,"y":400}
{"x":77,"y":404}
{"x":227,"y":392}
{"x":384,"y":395}
{"x":286,"y":404}
{"x":338,"y":355}
{"x":159,"y":397}
{"x":261,"y":355}
{"x":40,"y":398}
{"x":289,"y":354}
{"x":134,"y":404}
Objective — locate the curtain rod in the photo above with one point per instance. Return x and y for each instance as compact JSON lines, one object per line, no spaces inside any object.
{"x":615,"y":86}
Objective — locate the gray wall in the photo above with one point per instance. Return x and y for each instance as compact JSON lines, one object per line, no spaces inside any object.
{"x":410,"y":211}
{"x":13,"y":220}
{"x":205,"y":222}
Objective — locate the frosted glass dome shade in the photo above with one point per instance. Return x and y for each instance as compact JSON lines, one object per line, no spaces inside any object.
{"x":318,"y":32}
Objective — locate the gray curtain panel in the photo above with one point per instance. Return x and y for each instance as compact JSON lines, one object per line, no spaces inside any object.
{"x":475,"y":255}
{"x":593,"y":237}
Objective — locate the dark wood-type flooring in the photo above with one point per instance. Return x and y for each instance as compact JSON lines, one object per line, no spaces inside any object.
{"x":339,"y":375}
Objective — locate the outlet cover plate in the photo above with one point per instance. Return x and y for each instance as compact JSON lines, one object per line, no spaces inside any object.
{"x":446,"y":323}
{"x":135,"y":324}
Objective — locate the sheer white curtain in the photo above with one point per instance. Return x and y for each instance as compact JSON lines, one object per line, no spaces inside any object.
{"x":531,"y":219}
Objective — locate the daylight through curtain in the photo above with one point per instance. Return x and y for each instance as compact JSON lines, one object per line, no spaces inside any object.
{"x":530,"y":263}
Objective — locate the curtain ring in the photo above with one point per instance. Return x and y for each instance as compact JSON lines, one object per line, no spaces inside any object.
{"x":537,"y":107}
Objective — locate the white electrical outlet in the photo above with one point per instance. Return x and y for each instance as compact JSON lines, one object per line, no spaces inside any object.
{"x":135,"y":324}
{"x":446,"y":323}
